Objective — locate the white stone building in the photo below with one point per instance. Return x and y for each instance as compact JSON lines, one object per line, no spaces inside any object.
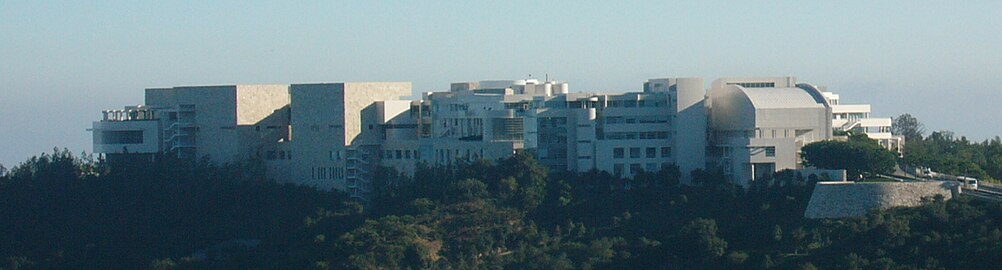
{"x":336,"y":135}
{"x":758,"y":125}
{"x":855,"y":118}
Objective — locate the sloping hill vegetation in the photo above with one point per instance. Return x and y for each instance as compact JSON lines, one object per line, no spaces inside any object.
{"x":62,"y":211}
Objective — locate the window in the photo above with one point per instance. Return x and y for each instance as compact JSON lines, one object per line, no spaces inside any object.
{"x":122,"y":137}
{"x":665,"y":151}
{"x":651,"y":167}
{"x":635,"y":168}
{"x":614,"y":120}
{"x":652,"y":152}
{"x":635,"y":152}
{"x":407,"y":154}
{"x":617,"y":169}
{"x":618,"y":153}
{"x":755,"y":85}
{"x":770,"y":151}
{"x":400,"y":154}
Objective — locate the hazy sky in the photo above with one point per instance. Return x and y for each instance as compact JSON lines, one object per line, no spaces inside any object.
{"x":61,"y":63}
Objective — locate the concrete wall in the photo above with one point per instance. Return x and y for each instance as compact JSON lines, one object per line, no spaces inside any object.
{"x":359,"y":96}
{"x":317,"y":119}
{"x":690,"y":126}
{"x":326,"y":118}
{"x":848,"y":199}
{"x":731,"y":110}
{"x":215,"y":117}
{"x":257,"y":102}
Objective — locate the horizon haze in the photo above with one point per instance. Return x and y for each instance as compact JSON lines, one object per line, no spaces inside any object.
{"x":64,"y":62}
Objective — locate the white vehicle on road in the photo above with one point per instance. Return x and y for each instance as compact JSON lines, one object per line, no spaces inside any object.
{"x":968,"y":182}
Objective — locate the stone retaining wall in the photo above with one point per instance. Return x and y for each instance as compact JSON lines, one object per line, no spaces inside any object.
{"x":848,"y":199}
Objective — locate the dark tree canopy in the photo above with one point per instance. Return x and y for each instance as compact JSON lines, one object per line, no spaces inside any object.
{"x":907,"y":126}
{"x":859,"y":155}
{"x":64,"y":212}
{"x":942,"y":152}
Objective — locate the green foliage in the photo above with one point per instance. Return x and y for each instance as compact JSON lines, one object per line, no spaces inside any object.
{"x":944,"y":153}
{"x":63,"y":211}
{"x":389,"y":243}
{"x":163,"y":264}
{"x":907,"y":126}
{"x":701,"y":234}
{"x":859,"y":155}
{"x":175,"y":214}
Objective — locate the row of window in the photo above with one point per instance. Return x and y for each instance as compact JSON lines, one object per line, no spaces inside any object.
{"x":401,"y":154}
{"x":273,"y":155}
{"x":770,"y":151}
{"x":881,"y":129}
{"x":552,"y":121}
{"x":445,"y":156}
{"x":618,"y":169}
{"x":644,"y":119}
{"x":323,"y":173}
{"x":637,"y":103}
{"x":756,"y":85}
{"x":122,"y":137}
{"x":649,"y":152}
{"x":258,"y":128}
{"x":850,"y":116}
{"x":649,"y":135}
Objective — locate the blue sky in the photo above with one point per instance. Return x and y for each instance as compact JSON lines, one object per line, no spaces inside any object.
{"x":63,"y":62}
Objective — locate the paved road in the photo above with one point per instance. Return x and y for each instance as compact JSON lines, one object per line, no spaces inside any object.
{"x":990,"y":187}
{"x":979,"y":194}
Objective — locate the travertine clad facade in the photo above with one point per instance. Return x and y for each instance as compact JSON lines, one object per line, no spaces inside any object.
{"x":335,"y":135}
{"x":759,"y":124}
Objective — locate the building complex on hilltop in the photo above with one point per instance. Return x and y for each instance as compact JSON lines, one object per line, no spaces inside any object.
{"x":335,"y":135}
{"x":855,"y":118}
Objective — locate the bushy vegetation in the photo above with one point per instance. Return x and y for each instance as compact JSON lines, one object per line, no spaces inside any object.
{"x":858,"y":155}
{"x":62,"y":211}
{"x":66,"y":212}
{"x":943,"y":152}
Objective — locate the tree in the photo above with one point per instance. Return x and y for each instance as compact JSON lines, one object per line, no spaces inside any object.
{"x":163,"y":264}
{"x":531,"y":178}
{"x":777,"y":233}
{"x":703,"y":236}
{"x":3,"y":175}
{"x":799,"y":238}
{"x":466,"y":190}
{"x":907,"y":126}
{"x":857,"y":156}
